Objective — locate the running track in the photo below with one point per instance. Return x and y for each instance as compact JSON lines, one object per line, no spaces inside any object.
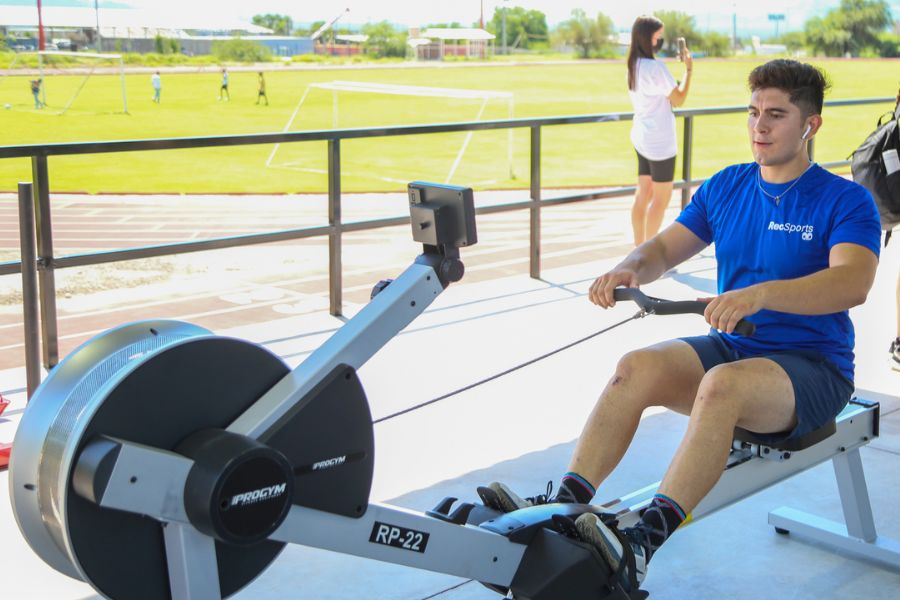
{"x":227,"y":288}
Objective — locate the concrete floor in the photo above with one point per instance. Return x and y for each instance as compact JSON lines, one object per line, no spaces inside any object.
{"x":521,"y":429}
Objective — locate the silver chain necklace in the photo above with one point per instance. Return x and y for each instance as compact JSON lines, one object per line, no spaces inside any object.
{"x":778,"y":198}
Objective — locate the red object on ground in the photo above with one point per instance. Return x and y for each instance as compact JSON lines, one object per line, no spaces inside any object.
{"x":5,"y":449}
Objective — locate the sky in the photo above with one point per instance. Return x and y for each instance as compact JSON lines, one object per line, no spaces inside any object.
{"x":709,"y":14}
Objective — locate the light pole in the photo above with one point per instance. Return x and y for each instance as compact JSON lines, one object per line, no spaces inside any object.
{"x":99,"y":37}
{"x":503,"y":26}
{"x":41,"y":39}
{"x":734,"y":38}
{"x":480,"y":26}
{"x":776,"y":18}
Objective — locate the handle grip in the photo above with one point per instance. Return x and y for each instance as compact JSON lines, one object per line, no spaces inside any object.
{"x":659,"y":306}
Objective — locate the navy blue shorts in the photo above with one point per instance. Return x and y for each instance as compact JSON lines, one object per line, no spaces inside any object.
{"x":821,"y":391}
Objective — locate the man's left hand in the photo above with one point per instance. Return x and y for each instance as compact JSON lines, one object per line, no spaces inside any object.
{"x":724,"y":311}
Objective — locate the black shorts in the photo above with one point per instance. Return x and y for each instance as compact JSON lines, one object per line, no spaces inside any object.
{"x":821,"y":391}
{"x":660,"y":171}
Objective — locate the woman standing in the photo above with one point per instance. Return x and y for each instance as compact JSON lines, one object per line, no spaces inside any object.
{"x":653,"y":92}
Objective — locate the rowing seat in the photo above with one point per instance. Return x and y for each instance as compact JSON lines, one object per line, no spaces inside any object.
{"x":791,"y":445}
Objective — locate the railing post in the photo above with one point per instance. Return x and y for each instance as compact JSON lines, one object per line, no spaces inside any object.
{"x":335,"y":281}
{"x":686,"y":156}
{"x":535,"y":210}
{"x":46,"y":275}
{"x":811,"y":148}
{"x":29,"y":289}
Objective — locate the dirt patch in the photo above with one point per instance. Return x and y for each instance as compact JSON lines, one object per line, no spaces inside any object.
{"x":92,"y":279}
{"x":129,"y":281}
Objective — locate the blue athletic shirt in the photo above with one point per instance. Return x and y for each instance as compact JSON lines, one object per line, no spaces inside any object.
{"x":757,"y":240}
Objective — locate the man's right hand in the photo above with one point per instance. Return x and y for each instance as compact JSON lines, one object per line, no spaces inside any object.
{"x":601,"y":292}
{"x":673,"y":245}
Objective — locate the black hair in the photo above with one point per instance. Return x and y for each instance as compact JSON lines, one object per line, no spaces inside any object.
{"x":641,"y":44}
{"x":802,"y":82}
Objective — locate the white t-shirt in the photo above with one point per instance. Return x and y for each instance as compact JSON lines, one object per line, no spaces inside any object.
{"x":653,"y":129}
{"x":155,"y":82}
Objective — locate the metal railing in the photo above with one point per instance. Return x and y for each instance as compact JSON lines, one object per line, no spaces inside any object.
{"x":42,"y":267}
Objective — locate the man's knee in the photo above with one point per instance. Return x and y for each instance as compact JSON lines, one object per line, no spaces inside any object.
{"x":639,"y":374}
{"x":722,"y":388}
{"x":631,"y":366}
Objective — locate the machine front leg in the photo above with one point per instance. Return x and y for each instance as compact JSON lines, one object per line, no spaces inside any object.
{"x":191,"y":556}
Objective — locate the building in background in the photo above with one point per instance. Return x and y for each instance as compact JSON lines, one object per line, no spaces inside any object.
{"x":341,"y":44}
{"x":436,"y":43}
{"x":132,"y":30}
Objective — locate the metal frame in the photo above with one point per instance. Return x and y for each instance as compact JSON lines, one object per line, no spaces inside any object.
{"x":359,"y":339}
{"x":751,"y":468}
{"x":454,"y":548}
{"x":48,"y":263}
{"x":857,"y":534}
{"x":191,"y":558}
{"x":29,"y":287}
{"x":151,"y":481}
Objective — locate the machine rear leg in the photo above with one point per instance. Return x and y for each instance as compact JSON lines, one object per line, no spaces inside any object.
{"x":857,"y":534}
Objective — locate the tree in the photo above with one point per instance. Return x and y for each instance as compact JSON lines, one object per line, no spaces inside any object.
{"x":851,"y":28}
{"x":164,"y":45}
{"x":314,"y":27}
{"x":591,"y":37}
{"x":238,"y":50}
{"x":794,"y":41}
{"x":280,"y":24}
{"x":827,"y":36}
{"x":715,"y":43}
{"x":888,"y":45}
{"x":521,"y":24}
{"x":678,"y":24}
{"x":384,"y":40}
{"x":864,"y":20}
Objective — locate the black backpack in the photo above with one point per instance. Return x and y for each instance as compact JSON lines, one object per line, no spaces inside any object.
{"x":868,"y":167}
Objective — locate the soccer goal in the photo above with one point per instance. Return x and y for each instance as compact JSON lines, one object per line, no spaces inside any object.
{"x":64,"y":76}
{"x":481,"y":99}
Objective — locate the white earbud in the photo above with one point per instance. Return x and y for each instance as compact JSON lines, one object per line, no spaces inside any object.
{"x":806,"y":133}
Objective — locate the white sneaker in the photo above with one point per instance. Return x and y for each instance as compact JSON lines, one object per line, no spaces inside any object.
{"x":895,"y":354}
{"x":593,"y":531}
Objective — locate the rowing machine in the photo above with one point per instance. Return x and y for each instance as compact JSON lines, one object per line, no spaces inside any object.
{"x":160,"y":461}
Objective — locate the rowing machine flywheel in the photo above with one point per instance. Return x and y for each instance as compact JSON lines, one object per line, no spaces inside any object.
{"x":153,"y":383}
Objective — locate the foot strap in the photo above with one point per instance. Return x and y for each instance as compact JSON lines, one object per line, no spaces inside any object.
{"x":628,"y":561}
{"x":490,"y":498}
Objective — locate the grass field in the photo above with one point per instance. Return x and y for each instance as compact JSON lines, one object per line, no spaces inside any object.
{"x":596,"y":154}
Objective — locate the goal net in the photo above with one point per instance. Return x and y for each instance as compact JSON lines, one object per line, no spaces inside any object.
{"x":86,"y":81}
{"x":347,"y":104}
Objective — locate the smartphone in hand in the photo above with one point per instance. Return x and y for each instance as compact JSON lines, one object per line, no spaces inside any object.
{"x":682,"y":47}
